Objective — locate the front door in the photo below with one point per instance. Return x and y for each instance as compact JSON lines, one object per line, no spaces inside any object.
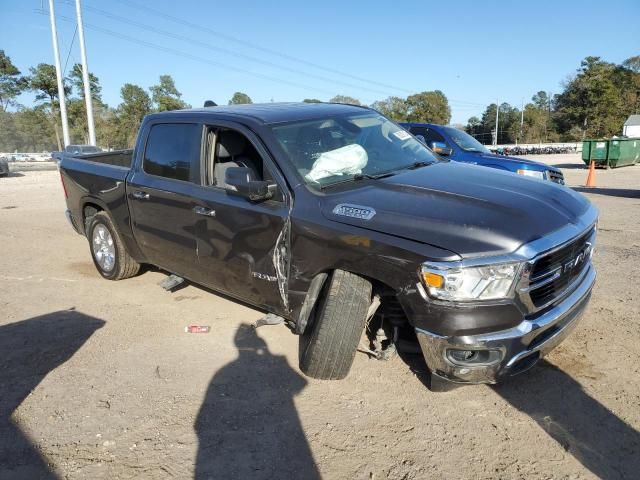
{"x":242,"y":245}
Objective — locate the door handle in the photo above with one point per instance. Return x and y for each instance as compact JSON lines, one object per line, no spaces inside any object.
{"x":140,"y":195}
{"x":207,"y":212}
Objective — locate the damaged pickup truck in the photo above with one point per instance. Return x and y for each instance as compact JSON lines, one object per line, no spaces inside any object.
{"x":338,"y":221}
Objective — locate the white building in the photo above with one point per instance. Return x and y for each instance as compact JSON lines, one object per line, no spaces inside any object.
{"x":631,"y":127}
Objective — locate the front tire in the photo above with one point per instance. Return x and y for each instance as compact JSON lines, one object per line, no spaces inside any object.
{"x":109,"y":255}
{"x":328,"y":345}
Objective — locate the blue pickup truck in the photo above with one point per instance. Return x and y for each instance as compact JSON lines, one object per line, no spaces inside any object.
{"x":462,"y":147}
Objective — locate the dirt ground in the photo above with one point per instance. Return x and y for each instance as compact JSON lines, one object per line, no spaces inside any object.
{"x":99,"y":380}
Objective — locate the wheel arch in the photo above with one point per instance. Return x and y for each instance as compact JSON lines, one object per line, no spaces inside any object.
{"x":314,"y":294}
{"x":89,"y":206}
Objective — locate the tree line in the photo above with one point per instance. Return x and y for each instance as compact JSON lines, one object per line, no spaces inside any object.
{"x":595,"y":102}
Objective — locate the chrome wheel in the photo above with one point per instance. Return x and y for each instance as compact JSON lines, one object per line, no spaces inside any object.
{"x":104,"y":250}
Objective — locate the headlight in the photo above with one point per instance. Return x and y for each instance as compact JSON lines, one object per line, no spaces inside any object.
{"x":488,"y":282}
{"x":531,"y":173}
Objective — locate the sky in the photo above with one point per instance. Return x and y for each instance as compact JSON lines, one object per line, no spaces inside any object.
{"x":475,"y":52}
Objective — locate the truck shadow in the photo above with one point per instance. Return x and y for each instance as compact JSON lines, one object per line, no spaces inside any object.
{"x":570,"y":166}
{"x":610,"y":192}
{"x":29,"y":350}
{"x":582,"y":426}
{"x":248,"y":426}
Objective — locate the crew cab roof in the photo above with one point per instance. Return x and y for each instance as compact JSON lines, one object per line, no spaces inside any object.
{"x":269,"y":113}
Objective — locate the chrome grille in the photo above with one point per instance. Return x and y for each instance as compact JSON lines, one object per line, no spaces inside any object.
{"x":553,"y":273}
{"x":556,"y":177}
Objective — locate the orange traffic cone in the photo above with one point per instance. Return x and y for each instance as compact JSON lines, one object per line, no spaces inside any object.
{"x":591,"y":178}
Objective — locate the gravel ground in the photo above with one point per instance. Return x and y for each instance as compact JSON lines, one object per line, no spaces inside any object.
{"x":99,"y":380}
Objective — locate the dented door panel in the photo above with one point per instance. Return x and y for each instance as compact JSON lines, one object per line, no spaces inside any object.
{"x":242,"y":249}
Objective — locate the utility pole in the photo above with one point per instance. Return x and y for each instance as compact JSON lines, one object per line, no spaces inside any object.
{"x":546,"y":127}
{"x":56,"y":57}
{"x":85,"y":77}
{"x":521,"y":120}
{"x":495,"y":141}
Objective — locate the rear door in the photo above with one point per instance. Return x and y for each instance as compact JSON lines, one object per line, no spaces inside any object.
{"x":160,"y":192}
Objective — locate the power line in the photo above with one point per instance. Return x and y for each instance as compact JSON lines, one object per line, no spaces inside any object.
{"x":64,"y":70}
{"x":183,"y":54}
{"x":226,"y":51}
{"x":247,"y":57}
{"x":231,"y":38}
{"x":194,"y":57}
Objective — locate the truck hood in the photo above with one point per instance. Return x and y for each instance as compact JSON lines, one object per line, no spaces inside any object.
{"x":470,"y":210}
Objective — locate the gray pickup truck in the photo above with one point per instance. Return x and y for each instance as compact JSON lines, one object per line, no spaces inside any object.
{"x":338,"y":221}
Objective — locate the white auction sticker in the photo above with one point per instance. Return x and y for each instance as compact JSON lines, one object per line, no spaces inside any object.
{"x":402,"y":135}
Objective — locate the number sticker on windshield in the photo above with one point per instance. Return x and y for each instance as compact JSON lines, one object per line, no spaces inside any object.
{"x":402,"y":135}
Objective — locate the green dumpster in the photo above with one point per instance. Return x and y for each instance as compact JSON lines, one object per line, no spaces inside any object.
{"x":623,"y":152}
{"x":596,"y":150}
{"x":586,"y":151}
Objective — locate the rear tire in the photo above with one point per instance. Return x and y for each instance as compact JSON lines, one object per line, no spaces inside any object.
{"x":109,"y":255}
{"x":328,"y":345}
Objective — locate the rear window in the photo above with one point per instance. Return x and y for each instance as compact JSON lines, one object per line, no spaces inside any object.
{"x":173,"y":151}
{"x":90,"y":149}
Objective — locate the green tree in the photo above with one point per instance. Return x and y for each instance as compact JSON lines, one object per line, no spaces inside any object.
{"x":428,"y":107}
{"x":594,"y":98}
{"x":43,"y":82}
{"x":312,"y":100}
{"x":632,"y":63}
{"x":534,"y":129}
{"x":8,"y":132}
{"x":630,"y":80}
{"x":75,"y":78}
{"x":136,"y":103}
{"x":76,"y":106}
{"x":541,"y":100}
{"x":345,"y":99}
{"x":394,"y":108}
{"x":26,"y":130}
{"x":166,"y":96}
{"x":109,"y":132}
{"x":240,"y":98}
{"x":474,"y":126}
{"x":12,"y":83}
{"x":36,"y":132}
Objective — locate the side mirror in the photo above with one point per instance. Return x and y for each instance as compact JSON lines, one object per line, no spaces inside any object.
{"x":242,"y":181}
{"x":421,"y":139}
{"x":441,"y":148}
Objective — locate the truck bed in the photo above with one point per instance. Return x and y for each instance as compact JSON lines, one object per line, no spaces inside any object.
{"x":98,"y":179}
{"x":119,"y":158}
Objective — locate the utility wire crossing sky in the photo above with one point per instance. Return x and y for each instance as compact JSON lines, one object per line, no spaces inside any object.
{"x":291,"y":50}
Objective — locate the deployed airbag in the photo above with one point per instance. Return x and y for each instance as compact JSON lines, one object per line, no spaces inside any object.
{"x":348,"y":160}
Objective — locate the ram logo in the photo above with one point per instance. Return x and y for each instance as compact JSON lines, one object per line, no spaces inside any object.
{"x":578,"y":259}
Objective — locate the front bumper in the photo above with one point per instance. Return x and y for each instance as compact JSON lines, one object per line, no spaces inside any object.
{"x":507,"y":352}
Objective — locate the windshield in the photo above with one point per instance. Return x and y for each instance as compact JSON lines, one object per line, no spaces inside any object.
{"x":338,"y":149}
{"x":466,"y":141}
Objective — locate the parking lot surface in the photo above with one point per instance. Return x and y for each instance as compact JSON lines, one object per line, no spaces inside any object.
{"x":99,"y":380}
